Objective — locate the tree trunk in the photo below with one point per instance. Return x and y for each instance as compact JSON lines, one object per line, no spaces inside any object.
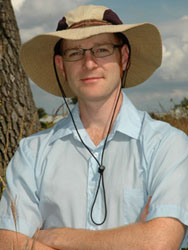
{"x":18,"y":114}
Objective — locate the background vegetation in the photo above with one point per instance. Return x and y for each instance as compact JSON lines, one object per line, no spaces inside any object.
{"x":177,"y":117}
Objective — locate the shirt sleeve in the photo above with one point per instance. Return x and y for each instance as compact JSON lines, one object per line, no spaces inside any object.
{"x":22,"y":186}
{"x":168,"y":179}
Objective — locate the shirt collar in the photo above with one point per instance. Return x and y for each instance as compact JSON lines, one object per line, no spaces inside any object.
{"x":128,"y":122}
{"x":66,"y":127}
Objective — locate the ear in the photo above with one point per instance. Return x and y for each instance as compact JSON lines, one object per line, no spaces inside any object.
{"x":59,"y":62}
{"x":124,"y":56}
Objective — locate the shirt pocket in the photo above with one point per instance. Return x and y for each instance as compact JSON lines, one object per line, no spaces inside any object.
{"x":133,"y":204}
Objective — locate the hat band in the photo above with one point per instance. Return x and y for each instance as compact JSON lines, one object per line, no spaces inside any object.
{"x":86,"y":23}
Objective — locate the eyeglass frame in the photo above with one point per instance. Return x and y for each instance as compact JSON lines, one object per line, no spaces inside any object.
{"x":91,"y":50}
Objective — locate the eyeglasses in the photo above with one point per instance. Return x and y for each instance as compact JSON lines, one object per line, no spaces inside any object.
{"x":97,"y":51}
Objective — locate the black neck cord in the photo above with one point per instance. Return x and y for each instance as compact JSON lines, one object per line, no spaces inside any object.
{"x":101,"y":166}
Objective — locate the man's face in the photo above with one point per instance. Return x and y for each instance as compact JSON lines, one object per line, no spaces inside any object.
{"x":94,"y":79}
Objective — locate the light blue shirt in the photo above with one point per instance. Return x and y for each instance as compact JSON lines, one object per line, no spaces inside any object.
{"x":54,"y":178}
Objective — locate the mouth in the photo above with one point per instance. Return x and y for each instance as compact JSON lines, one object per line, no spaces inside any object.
{"x":91,"y":79}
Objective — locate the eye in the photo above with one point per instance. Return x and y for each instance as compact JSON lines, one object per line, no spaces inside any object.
{"x":73,"y":53}
{"x":102,"y":50}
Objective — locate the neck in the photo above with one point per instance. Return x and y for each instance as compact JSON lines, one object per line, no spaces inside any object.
{"x":96,"y":117}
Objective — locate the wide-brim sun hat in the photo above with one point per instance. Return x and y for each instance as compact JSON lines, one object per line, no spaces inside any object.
{"x":144,"y":38}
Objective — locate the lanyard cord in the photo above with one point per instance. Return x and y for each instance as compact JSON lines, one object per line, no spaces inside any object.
{"x":101,"y":166}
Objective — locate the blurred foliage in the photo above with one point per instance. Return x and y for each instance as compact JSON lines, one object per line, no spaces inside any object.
{"x":183,"y":104}
{"x":74,"y":100}
{"x":41,"y":113}
{"x":45,"y":125}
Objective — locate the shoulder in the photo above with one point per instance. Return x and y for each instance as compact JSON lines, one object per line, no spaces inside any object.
{"x":157,"y":134}
{"x":157,"y":129}
{"x":43,"y":139}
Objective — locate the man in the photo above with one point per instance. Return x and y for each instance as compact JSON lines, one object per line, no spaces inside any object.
{"x":107,"y":176}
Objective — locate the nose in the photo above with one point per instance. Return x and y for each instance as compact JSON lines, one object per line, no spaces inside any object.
{"x":89,"y":60}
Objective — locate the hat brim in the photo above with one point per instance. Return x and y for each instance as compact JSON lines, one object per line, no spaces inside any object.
{"x":146,"y":53}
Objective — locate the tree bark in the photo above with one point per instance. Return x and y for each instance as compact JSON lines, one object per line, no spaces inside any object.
{"x":18,"y":114}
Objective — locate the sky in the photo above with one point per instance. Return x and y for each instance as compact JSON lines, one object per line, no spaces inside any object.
{"x":168,"y":85}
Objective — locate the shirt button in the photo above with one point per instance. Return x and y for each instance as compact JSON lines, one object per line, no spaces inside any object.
{"x":96,"y":154}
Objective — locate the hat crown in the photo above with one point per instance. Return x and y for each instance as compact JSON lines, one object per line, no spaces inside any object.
{"x":82,"y":13}
{"x":90,"y":13}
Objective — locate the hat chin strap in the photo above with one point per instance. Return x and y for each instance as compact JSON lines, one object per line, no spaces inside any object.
{"x":58,"y":81}
{"x":123,"y":73}
{"x":123,"y":78}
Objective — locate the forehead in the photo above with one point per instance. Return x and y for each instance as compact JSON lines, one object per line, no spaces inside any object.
{"x":91,"y":41}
